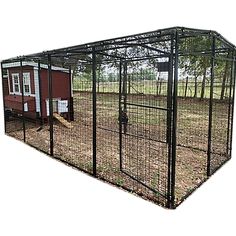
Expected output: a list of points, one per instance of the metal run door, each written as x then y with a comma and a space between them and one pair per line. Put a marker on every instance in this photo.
144, 124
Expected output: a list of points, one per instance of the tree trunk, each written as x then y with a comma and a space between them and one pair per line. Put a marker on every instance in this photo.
186, 87
203, 84
224, 81
157, 85
195, 87
98, 79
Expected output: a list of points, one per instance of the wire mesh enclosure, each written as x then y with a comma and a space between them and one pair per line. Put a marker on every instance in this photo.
151, 113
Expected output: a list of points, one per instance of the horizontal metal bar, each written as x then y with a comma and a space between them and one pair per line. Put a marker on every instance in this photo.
224, 58
146, 106
109, 130
198, 185
145, 46
145, 185
219, 50
146, 58
144, 137
201, 150
183, 29
223, 39
155, 49
109, 55
190, 192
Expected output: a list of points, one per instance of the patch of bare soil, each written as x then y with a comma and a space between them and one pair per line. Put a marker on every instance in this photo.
142, 167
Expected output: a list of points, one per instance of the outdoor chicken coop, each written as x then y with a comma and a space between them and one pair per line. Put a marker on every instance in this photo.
151, 113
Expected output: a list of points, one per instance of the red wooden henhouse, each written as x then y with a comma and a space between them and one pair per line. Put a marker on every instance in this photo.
35, 90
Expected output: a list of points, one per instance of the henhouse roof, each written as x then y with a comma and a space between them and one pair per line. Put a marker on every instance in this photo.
33, 64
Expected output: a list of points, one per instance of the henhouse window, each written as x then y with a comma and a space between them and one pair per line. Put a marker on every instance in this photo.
16, 83
26, 80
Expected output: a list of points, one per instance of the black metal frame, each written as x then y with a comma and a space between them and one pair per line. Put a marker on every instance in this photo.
4, 106
22, 98
40, 93
50, 97
210, 108
147, 41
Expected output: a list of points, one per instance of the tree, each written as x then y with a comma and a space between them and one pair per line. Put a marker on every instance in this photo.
195, 65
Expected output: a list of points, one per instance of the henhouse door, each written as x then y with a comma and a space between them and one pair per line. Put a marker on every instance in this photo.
144, 131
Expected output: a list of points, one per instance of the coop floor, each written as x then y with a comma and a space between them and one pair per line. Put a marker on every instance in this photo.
145, 162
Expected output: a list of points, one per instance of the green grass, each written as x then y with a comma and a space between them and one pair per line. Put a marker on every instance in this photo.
152, 87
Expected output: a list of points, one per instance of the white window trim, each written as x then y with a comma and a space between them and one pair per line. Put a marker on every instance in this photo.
13, 88
28, 74
13, 83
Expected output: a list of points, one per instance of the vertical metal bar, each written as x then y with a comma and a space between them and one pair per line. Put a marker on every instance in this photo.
40, 94
233, 101
94, 112
229, 107
174, 127
169, 114
4, 104
50, 96
129, 83
211, 106
22, 98
125, 94
120, 113
71, 107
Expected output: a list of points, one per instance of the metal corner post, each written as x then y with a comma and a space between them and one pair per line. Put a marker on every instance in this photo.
50, 96
71, 108
22, 98
211, 105
174, 124
229, 107
233, 101
94, 111
169, 119
120, 113
124, 92
4, 117
40, 93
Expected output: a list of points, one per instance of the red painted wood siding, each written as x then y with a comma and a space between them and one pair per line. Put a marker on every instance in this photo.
5, 86
15, 103
60, 87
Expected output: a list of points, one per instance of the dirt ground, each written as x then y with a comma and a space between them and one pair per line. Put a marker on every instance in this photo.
143, 166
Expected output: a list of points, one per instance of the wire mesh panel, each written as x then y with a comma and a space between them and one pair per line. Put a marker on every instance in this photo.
12, 97
192, 125
107, 123
221, 113
36, 119
144, 148
72, 112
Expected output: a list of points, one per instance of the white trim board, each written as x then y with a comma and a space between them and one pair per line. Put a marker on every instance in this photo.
8, 80
25, 95
33, 64
36, 90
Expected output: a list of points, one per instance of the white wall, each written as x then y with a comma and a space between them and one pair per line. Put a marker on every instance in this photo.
39, 196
